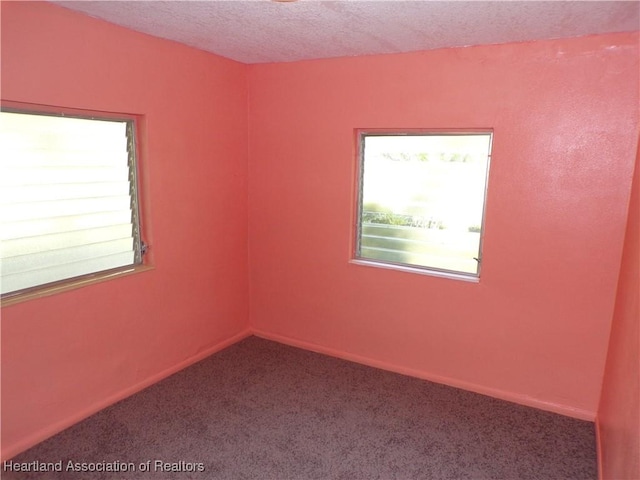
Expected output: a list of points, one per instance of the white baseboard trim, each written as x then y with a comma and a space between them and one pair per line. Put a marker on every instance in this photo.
452, 382
41, 435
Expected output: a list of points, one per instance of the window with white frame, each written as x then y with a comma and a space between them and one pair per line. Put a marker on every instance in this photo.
421, 201
68, 199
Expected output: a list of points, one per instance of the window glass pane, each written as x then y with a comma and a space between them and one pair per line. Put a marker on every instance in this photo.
422, 200
66, 206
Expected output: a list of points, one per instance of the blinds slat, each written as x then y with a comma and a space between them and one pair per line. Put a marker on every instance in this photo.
63, 224
443, 262
40, 157
29, 279
52, 258
43, 243
18, 176
42, 131
44, 193
59, 208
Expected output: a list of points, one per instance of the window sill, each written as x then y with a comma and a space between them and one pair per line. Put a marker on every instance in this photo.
419, 271
72, 284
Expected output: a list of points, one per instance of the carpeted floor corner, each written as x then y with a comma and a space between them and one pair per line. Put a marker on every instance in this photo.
262, 410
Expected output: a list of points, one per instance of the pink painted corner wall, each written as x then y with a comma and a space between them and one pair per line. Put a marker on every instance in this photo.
66, 355
619, 413
535, 329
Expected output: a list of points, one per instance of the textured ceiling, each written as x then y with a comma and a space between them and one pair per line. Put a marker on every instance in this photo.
259, 31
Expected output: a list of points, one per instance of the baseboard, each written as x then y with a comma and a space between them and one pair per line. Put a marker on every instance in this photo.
491, 392
57, 427
599, 448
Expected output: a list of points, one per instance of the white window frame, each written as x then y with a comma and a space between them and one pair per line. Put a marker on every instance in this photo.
359, 259
131, 123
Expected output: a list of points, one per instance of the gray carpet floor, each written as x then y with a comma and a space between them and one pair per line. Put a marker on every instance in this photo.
262, 410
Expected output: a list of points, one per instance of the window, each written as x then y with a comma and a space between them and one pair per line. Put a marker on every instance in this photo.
68, 201
421, 201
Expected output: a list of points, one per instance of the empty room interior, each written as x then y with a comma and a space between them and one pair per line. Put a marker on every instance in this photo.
260, 331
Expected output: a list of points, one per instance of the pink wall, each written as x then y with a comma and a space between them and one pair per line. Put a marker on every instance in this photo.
619, 413
67, 355
535, 329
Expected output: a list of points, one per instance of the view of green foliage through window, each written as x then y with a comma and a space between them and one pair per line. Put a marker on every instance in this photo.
422, 199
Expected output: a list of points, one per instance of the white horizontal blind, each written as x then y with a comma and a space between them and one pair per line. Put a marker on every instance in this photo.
65, 199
